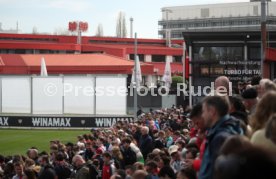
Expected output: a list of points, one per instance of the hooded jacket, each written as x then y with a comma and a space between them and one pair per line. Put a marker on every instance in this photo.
224, 128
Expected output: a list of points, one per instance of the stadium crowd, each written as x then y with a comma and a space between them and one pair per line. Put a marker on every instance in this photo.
222, 137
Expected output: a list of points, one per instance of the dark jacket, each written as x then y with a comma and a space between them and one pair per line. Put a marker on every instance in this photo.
146, 145
88, 154
83, 173
216, 136
129, 156
159, 143
63, 170
137, 136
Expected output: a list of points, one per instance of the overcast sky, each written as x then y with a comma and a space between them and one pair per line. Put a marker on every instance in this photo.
50, 15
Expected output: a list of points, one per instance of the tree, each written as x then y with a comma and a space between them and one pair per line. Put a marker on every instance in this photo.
121, 30
99, 30
61, 31
35, 31
175, 80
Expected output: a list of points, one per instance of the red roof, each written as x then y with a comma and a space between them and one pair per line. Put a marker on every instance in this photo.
120, 47
68, 64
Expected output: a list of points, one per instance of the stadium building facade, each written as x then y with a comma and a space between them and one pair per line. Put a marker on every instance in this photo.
242, 16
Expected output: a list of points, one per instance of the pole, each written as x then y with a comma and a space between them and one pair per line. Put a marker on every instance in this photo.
167, 29
135, 77
263, 35
184, 65
190, 77
131, 27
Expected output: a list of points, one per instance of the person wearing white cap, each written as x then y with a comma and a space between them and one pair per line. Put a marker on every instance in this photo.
175, 163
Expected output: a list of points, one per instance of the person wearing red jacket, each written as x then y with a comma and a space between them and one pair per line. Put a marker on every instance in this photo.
198, 122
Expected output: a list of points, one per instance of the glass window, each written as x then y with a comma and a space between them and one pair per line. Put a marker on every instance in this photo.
218, 53
254, 53
177, 59
158, 58
141, 57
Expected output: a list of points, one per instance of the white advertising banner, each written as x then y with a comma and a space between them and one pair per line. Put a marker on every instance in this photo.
79, 95
47, 95
16, 94
111, 95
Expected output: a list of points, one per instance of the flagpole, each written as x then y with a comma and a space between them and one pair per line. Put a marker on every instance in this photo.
135, 78
184, 66
190, 77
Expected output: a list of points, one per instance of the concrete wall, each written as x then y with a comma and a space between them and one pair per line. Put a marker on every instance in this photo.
168, 101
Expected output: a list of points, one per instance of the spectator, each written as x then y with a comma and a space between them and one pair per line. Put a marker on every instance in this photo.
82, 171
270, 130
238, 110
250, 100
241, 86
160, 142
145, 143
9, 170
33, 154
61, 167
98, 156
169, 138
175, 163
136, 133
221, 126
191, 153
265, 108
177, 137
19, 172
255, 81
88, 153
152, 170
196, 117
118, 158
29, 163
140, 111
240, 159
130, 169
166, 173
140, 174
139, 166
265, 86
164, 161
100, 143
119, 173
222, 86
135, 148
2, 163
70, 151
186, 173
29, 174
129, 156
108, 167
43, 162
48, 173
